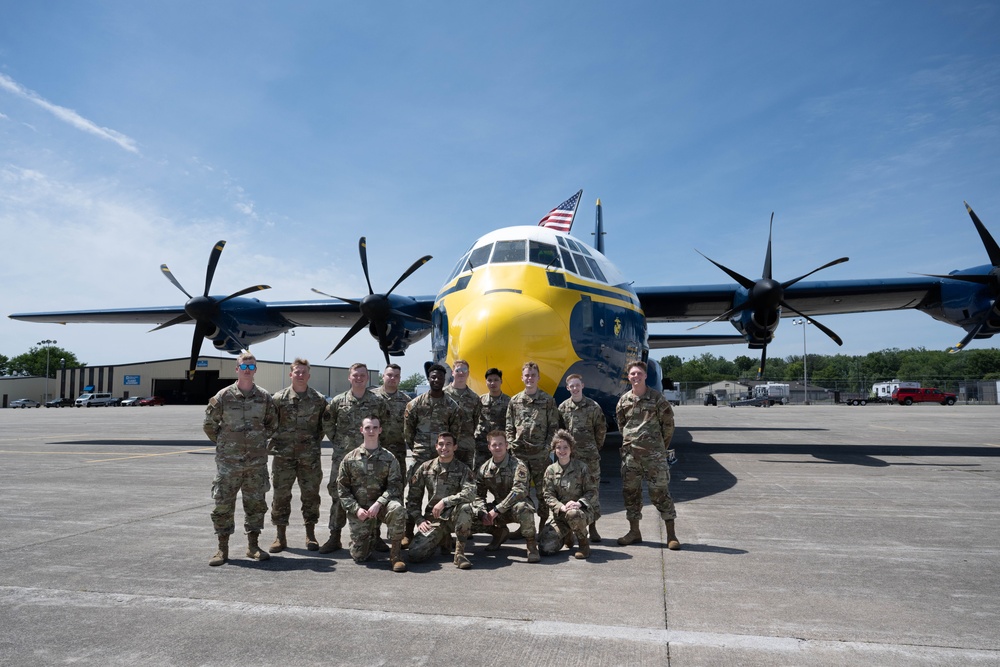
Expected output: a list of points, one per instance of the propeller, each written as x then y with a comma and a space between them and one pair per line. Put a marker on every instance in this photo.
204, 309
767, 297
375, 309
991, 279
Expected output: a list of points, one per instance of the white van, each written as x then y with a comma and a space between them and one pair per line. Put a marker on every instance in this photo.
96, 399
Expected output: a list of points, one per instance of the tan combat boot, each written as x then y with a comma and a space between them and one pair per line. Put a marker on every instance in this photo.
280, 543
311, 543
533, 556
408, 535
672, 542
633, 536
396, 555
222, 555
461, 560
594, 535
253, 548
332, 544
500, 533
584, 551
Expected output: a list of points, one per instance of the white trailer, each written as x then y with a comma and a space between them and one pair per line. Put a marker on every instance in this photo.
774, 392
882, 391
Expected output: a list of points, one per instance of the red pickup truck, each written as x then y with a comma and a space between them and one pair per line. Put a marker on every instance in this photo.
911, 395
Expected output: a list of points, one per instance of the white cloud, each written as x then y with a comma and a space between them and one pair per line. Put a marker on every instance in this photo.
68, 115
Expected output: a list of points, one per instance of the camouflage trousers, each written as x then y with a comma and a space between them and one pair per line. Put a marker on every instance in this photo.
398, 449
338, 517
482, 455
592, 458
523, 514
307, 469
364, 533
560, 525
459, 521
537, 464
653, 469
229, 481
466, 452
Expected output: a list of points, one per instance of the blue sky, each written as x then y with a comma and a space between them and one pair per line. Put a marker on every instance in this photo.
135, 134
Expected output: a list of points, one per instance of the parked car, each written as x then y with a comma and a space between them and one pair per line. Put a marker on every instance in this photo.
95, 399
911, 395
710, 399
133, 400
59, 403
152, 400
25, 403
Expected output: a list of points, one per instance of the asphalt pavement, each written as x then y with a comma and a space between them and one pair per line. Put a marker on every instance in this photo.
811, 535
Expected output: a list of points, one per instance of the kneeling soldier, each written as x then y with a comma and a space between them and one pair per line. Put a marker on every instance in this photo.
506, 479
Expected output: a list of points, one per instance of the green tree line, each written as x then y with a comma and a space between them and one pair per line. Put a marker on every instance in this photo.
931, 368
35, 360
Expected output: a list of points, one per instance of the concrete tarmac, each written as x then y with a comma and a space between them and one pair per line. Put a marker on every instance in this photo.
812, 535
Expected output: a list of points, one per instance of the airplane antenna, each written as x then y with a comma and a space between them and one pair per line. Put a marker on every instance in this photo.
598, 232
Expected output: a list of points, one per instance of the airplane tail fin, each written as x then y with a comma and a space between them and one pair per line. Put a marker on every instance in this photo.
599, 229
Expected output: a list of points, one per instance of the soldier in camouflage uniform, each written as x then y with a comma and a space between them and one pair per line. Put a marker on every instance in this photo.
646, 421
468, 400
450, 488
585, 421
570, 491
395, 403
506, 479
239, 420
342, 425
532, 419
295, 448
371, 491
492, 415
426, 416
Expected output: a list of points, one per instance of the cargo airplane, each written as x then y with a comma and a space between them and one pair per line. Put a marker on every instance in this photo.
535, 293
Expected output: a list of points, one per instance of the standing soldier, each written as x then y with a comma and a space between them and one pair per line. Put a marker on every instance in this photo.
342, 424
585, 421
395, 402
239, 420
371, 491
493, 414
296, 451
450, 491
532, 419
646, 421
426, 416
506, 479
468, 400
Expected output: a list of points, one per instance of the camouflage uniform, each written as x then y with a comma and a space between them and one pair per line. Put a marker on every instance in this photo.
507, 481
342, 424
363, 479
531, 423
424, 418
647, 425
585, 421
468, 401
492, 417
452, 482
562, 484
295, 447
392, 430
240, 426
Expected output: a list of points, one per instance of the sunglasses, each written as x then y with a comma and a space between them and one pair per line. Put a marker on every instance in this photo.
248, 367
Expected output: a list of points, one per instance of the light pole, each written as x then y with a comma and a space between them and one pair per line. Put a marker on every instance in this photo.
48, 347
284, 341
800, 321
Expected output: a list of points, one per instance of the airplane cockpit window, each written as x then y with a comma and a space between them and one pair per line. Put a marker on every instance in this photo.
567, 259
458, 267
509, 251
562, 241
596, 269
479, 256
583, 267
543, 253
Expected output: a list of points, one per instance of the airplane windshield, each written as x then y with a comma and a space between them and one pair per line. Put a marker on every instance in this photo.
479, 257
543, 253
509, 251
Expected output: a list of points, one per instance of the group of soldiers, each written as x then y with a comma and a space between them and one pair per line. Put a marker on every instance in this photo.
474, 461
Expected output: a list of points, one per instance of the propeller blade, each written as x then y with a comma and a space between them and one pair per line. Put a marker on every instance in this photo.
767, 258
763, 362
829, 332
246, 290
177, 320
968, 338
724, 316
743, 281
358, 326
170, 277
199, 336
992, 249
363, 251
406, 274
213, 262
340, 298
806, 275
